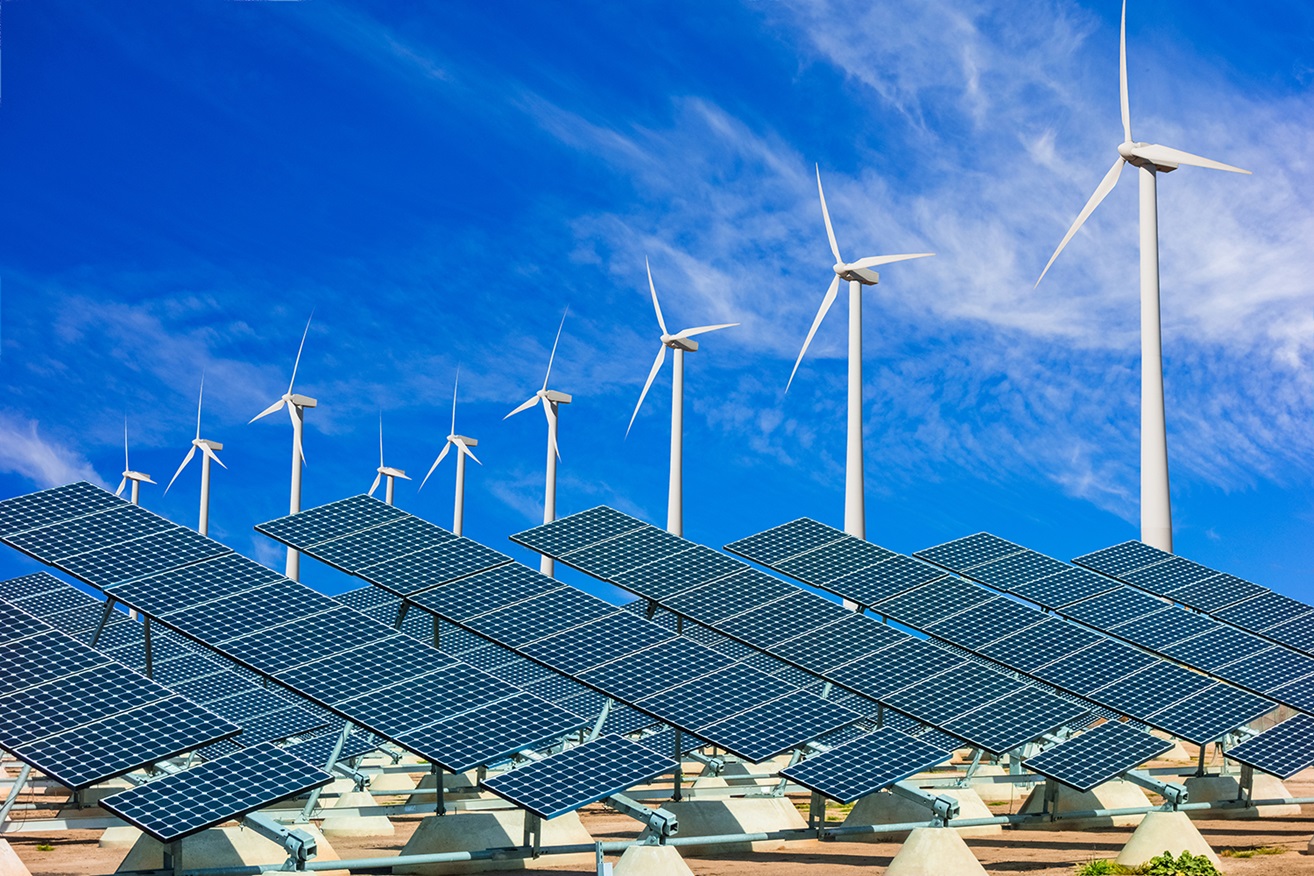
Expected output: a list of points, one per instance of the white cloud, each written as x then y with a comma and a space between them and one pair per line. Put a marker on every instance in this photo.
46, 463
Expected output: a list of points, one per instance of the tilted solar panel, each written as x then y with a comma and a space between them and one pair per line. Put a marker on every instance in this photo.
1098, 755
866, 765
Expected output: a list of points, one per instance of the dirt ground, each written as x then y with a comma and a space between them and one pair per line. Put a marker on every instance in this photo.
75, 853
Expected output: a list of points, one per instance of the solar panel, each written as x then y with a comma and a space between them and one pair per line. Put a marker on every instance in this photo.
985, 622
485, 591
1115, 607
43, 508
1298, 694
175, 590
830, 562
276, 603
624, 720
1151, 689
1070, 585
662, 740
771, 728
17, 624
276, 649
427, 699
66, 702
577, 531
1122, 558
1014, 720
317, 750
590, 644
962, 554
866, 765
952, 693
334, 520
157, 552
1297, 632
1168, 575
883, 580
1098, 755
847, 638
490, 733
181, 804
880, 674
715, 696
1161, 628
539, 617
583, 775
1017, 569
691, 567
114, 525
379, 544
785, 541
53, 601
654, 669
29, 585
1266, 670
1264, 610
932, 602
1282, 750
42, 658
374, 665
432, 567
782, 619
725, 597
1217, 647
1205, 716
1216, 592
625, 552
189, 666
363, 598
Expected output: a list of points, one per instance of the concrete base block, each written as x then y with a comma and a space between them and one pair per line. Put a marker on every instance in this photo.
1117, 794
355, 825
1213, 789
1177, 754
124, 836
456, 786
886, 808
386, 782
934, 851
93, 795
647, 860
221, 847
10, 865
735, 815
501, 829
995, 792
1161, 832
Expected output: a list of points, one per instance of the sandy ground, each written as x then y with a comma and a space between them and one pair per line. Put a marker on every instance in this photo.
75, 853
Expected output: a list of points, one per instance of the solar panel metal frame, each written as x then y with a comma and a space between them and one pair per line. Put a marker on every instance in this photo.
865, 765
1282, 750
1098, 755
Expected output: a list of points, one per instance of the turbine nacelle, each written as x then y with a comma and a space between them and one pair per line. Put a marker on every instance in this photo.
1132, 153
676, 342
390, 472
557, 398
140, 477
857, 275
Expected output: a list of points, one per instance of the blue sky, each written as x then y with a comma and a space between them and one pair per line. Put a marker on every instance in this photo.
183, 183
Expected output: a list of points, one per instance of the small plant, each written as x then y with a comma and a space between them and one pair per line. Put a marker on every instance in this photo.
1101, 867
1185, 864
45, 847
1251, 852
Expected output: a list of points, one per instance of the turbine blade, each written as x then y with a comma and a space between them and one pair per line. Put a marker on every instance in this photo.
433, 467
830, 232
467, 451
550, 412
874, 261
404, 477
456, 384
126, 466
655, 306
199, 397
380, 439
553, 356
656, 366
267, 411
147, 479
374, 486
296, 433
186, 459
826, 302
1122, 76
526, 405
704, 329
297, 362
1168, 155
205, 449
123, 483
1101, 191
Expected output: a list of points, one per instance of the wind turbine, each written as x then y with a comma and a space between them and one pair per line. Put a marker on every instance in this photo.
207, 448
385, 471
463, 444
550, 399
1151, 159
858, 274
679, 342
296, 406
137, 478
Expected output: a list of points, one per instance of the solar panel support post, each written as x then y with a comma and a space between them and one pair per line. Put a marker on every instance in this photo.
440, 805
661, 824
533, 833
313, 799
971, 769
146, 647
1200, 764
12, 797
943, 807
677, 790
817, 813
1173, 794
602, 719
779, 789
437, 632
173, 857
104, 619
401, 613
1245, 792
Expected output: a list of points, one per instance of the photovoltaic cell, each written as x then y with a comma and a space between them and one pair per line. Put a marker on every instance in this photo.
1218, 647
382, 663
962, 554
1264, 610
785, 541
880, 674
364, 598
1216, 592
985, 622
1161, 628
932, 602
279, 648
782, 619
181, 804
577, 531
954, 692
539, 617
171, 591
1017, 569
625, 552
491, 732
866, 765
716, 696
42, 658
1005, 724
1168, 575
1298, 694
1098, 755
1282, 750
53, 601
29, 585
1205, 716
1151, 689
847, 638
408, 575
381, 543
486, 591
159, 552
655, 669
1069, 586
334, 520
23, 513
580, 776
419, 702
774, 727
64, 703
574, 650
726, 597
317, 750
830, 562
1122, 558
1266, 670
690, 568
111, 526
1297, 632
1115, 607
273, 604
894, 576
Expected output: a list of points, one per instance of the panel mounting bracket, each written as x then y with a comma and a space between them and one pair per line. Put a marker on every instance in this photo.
659, 824
943, 807
1173, 794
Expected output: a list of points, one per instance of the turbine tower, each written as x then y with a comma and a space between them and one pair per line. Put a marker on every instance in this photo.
858, 274
385, 471
550, 399
207, 448
137, 478
1150, 159
679, 342
296, 408
463, 443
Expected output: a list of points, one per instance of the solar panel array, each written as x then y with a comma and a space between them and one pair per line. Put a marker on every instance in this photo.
807, 631
598, 650
1268, 674
329, 653
79, 717
1098, 755
1238, 602
866, 765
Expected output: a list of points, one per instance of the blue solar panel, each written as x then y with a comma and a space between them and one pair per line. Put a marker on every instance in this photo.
1122, 558
66, 702
1298, 694
932, 602
537, 618
364, 598
830, 562
847, 638
1264, 610
485, 591
1166, 576
954, 692
54, 601
273, 604
1206, 716
1152, 689
785, 618
691, 567
424, 700
148, 555
280, 648
1115, 607
625, 552
29, 585
1069, 586
379, 544
42, 658
714, 697
655, 669
111, 526
1097, 756
785, 541
901, 664
371, 666
1161, 628
591, 644
334, 520
23, 513
577, 531
1282, 750
866, 765
490, 733
725, 597
318, 749
968, 553
985, 622
1019, 718
1216, 592
1017, 569
432, 567
896, 575
1218, 647
777, 726
1266, 670
1297, 632
224, 576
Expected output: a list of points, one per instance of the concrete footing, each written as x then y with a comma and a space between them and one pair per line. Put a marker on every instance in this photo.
1214, 789
221, 847
355, 825
995, 792
935, 851
1117, 794
734, 815
456, 786
124, 836
500, 829
884, 807
646, 860
10, 865
1161, 832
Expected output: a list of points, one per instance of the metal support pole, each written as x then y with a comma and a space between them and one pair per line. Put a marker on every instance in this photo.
437, 632
602, 719
817, 812
1200, 765
146, 626
328, 767
23, 772
401, 614
679, 625
104, 619
440, 807
677, 792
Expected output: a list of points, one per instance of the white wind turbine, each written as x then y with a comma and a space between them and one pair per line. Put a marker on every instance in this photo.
462, 443
859, 274
1151, 159
679, 342
550, 399
207, 448
296, 405
137, 478
385, 471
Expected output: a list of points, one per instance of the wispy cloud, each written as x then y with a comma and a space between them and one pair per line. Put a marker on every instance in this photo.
43, 462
